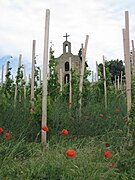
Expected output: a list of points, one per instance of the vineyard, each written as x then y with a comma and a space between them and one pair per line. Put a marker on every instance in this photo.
87, 132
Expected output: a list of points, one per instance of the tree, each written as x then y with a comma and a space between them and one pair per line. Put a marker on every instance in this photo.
114, 67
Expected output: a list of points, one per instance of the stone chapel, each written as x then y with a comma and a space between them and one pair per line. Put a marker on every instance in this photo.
64, 64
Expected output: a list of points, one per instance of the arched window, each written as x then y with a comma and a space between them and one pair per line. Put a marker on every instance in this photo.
66, 66
66, 78
66, 48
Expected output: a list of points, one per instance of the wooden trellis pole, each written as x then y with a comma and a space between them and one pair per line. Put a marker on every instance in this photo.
92, 77
60, 80
2, 75
133, 56
118, 83
16, 86
29, 79
127, 60
105, 91
82, 69
121, 83
39, 77
33, 70
44, 90
115, 84
7, 66
70, 82
96, 71
24, 81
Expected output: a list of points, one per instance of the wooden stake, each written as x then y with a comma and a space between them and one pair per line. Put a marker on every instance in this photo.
29, 79
96, 71
45, 64
61, 80
118, 83
16, 86
33, 70
92, 77
70, 83
133, 56
115, 84
121, 83
82, 69
7, 66
24, 81
40, 77
2, 75
105, 91
127, 60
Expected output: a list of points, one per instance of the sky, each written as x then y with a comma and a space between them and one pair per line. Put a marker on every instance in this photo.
23, 21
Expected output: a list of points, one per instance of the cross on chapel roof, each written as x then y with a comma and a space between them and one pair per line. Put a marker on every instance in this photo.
66, 36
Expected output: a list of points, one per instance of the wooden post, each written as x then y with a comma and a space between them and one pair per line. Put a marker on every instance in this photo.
70, 82
60, 80
33, 70
115, 84
7, 66
45, 64
121, 83
39, 77
96, 71
118, 83
16, 86
82, 69
127, 60
95, 76
24, 81
105, 91
133, 56
92, 77
2, 75
29, 79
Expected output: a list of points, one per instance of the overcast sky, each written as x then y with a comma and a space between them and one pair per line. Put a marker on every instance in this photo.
23, 20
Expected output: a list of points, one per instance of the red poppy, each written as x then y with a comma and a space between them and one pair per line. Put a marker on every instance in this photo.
64, 131
101, 115
110, 115
117, 110
44, 128
70, 153
86, 117
112, 164
32, 109
1, 130
70, 103
7, 135
108, 154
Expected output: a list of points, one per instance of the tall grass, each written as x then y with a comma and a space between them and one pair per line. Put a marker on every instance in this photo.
90, 135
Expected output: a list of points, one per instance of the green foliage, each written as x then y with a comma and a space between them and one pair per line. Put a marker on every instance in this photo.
113, 68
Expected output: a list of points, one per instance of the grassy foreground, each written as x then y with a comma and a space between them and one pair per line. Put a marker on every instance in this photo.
96, 132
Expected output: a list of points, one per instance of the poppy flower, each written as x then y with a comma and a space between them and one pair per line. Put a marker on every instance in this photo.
117, 110
32, 109
1, 130
101, 115
64, 131
112, 164
44, 128
110, 115
86, 117
70, 103
70, 153
108, 154
7, 135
